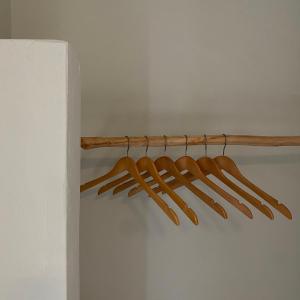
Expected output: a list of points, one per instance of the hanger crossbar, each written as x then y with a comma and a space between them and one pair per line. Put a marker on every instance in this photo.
159, 141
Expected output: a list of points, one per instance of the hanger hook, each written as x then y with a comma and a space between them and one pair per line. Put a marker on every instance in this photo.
166, 142
128, 144
225, 143
205, 143
147, 145
186, 143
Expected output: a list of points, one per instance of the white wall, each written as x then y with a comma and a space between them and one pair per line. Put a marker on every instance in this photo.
184, 67
39, 128
4, 19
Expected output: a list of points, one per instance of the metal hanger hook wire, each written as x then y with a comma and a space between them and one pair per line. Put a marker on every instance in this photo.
166, 142
205, 144
225, 143
128, 144
147, 144
186, 143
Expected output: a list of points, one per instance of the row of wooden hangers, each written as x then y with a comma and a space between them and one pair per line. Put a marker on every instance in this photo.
167, 175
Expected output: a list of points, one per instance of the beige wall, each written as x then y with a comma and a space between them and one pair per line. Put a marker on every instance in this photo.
40, 166
4, 19
184, 67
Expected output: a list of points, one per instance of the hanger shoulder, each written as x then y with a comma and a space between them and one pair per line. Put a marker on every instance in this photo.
114, 183
146, 164
165, 163
130, 183
125, 185
171, 168
214, 169
121, 184
119, 167
133, 170
229, 198
138, 189
230, 167
194, 169
128, 164
187, 163
235, 202
268, 198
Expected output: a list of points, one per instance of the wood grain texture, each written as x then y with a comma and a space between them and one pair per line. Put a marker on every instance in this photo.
159, 141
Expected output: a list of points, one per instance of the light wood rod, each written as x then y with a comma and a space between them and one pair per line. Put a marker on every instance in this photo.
159, 141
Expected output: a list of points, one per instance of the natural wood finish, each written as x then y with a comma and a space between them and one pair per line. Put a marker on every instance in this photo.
159, 141
189, 164
167, 164
146, 164
114, 183
228, 165
129, 165
209, 166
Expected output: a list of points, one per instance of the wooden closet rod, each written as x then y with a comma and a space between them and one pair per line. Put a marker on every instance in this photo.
159, 141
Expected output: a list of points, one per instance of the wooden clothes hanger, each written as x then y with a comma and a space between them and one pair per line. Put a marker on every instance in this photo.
127, 164
146, 164
227, 164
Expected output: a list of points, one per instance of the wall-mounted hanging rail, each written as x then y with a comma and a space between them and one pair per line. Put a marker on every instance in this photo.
145, 173
159, 141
